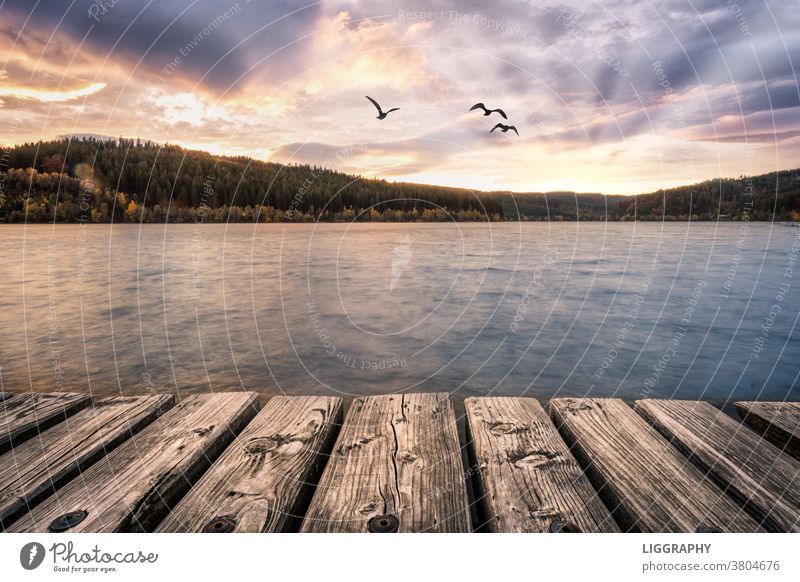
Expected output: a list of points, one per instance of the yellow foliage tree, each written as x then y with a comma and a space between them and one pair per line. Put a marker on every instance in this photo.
133, 211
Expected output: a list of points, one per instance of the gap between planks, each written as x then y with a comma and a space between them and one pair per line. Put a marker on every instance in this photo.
133, 487
528, 481
778, 422
264, 479
34, 469
25, 415
647, 483
751, 470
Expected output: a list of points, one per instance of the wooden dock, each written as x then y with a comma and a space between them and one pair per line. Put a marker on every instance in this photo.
396, 463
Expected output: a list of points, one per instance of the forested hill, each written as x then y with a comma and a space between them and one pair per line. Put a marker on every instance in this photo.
774, 196
129, 180
96, 180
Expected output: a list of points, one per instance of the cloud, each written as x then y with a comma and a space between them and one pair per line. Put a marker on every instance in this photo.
286, 81
49, 95
217, 42
377, 159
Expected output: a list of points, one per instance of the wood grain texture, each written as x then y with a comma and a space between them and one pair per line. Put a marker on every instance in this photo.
527, 478
132, 488
778, 422
33, 469
647, 484
754, 472
24, 415
264, 479
396, 455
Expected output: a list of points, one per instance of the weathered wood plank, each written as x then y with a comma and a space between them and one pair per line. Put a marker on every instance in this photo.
24, 415
264, 479
527, 478
395, 456
778, 422
754, 472
39, 465
646, 483
132, 488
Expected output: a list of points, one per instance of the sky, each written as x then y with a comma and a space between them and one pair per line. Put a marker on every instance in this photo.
612, 96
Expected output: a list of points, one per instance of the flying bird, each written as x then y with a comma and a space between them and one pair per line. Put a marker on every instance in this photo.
504, 128
487, 112
381, 113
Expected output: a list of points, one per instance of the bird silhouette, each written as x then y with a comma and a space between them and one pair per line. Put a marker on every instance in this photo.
381, 113
487, 112
504, 128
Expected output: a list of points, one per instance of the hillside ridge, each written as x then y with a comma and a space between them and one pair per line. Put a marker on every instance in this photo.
90, 179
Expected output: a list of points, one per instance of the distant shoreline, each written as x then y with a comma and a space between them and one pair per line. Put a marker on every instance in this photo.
781, 222
129, 181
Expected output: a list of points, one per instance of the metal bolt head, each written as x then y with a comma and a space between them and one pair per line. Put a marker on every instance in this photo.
219, 524
383, 524
68, 520
702, 528
563, 526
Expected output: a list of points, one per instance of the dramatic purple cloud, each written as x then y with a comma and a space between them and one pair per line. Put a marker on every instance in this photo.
607, 95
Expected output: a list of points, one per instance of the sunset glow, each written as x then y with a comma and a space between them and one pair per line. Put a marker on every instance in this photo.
609, 98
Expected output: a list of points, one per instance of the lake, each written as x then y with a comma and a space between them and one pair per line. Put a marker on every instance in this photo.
674, 310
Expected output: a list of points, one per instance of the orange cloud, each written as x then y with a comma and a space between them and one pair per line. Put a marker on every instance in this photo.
49, 95
368, 53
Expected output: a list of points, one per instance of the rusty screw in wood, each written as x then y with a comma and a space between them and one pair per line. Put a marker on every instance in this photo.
563, 526
68, 520
219, 524
702, 528
383, 524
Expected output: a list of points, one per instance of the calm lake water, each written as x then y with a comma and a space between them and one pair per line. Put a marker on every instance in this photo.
686, 310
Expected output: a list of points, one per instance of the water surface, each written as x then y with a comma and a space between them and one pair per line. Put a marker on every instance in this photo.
686, 310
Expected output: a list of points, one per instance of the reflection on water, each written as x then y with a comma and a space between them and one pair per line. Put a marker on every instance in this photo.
677, 310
